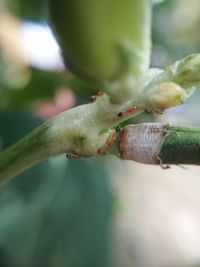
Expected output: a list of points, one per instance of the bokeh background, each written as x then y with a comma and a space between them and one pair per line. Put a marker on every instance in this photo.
91, 212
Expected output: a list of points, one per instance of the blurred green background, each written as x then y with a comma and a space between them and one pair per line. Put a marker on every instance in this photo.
91, 212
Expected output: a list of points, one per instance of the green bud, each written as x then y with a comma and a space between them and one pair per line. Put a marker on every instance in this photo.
186, 71
103, 40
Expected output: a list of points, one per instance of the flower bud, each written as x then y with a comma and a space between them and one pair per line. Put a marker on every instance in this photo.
103, 40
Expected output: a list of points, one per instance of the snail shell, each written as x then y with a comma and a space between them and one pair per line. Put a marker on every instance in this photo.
142, 142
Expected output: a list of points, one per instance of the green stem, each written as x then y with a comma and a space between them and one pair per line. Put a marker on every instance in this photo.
27, 152
182, 146
155, 143
84, 130
81, 131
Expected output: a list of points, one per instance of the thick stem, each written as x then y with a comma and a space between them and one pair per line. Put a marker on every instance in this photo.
156, 143
87, 130
181, 146
22, 155
81, 131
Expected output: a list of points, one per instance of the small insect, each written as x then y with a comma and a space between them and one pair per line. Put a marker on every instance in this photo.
130, 110
93, 98
120, 114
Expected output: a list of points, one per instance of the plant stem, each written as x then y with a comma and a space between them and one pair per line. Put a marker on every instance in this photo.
88, 129
81, 131
182, 146
155, 143
22, 155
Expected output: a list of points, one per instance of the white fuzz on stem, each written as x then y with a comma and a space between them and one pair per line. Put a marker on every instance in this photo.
142, 142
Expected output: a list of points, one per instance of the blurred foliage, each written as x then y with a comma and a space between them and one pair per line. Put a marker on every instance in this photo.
59, 213
35, 10
175, 31
42, 85
56, 214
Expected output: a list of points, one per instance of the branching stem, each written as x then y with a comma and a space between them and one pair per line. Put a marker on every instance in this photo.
88, 130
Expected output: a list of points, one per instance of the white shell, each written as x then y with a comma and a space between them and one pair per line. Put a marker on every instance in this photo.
142, 142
